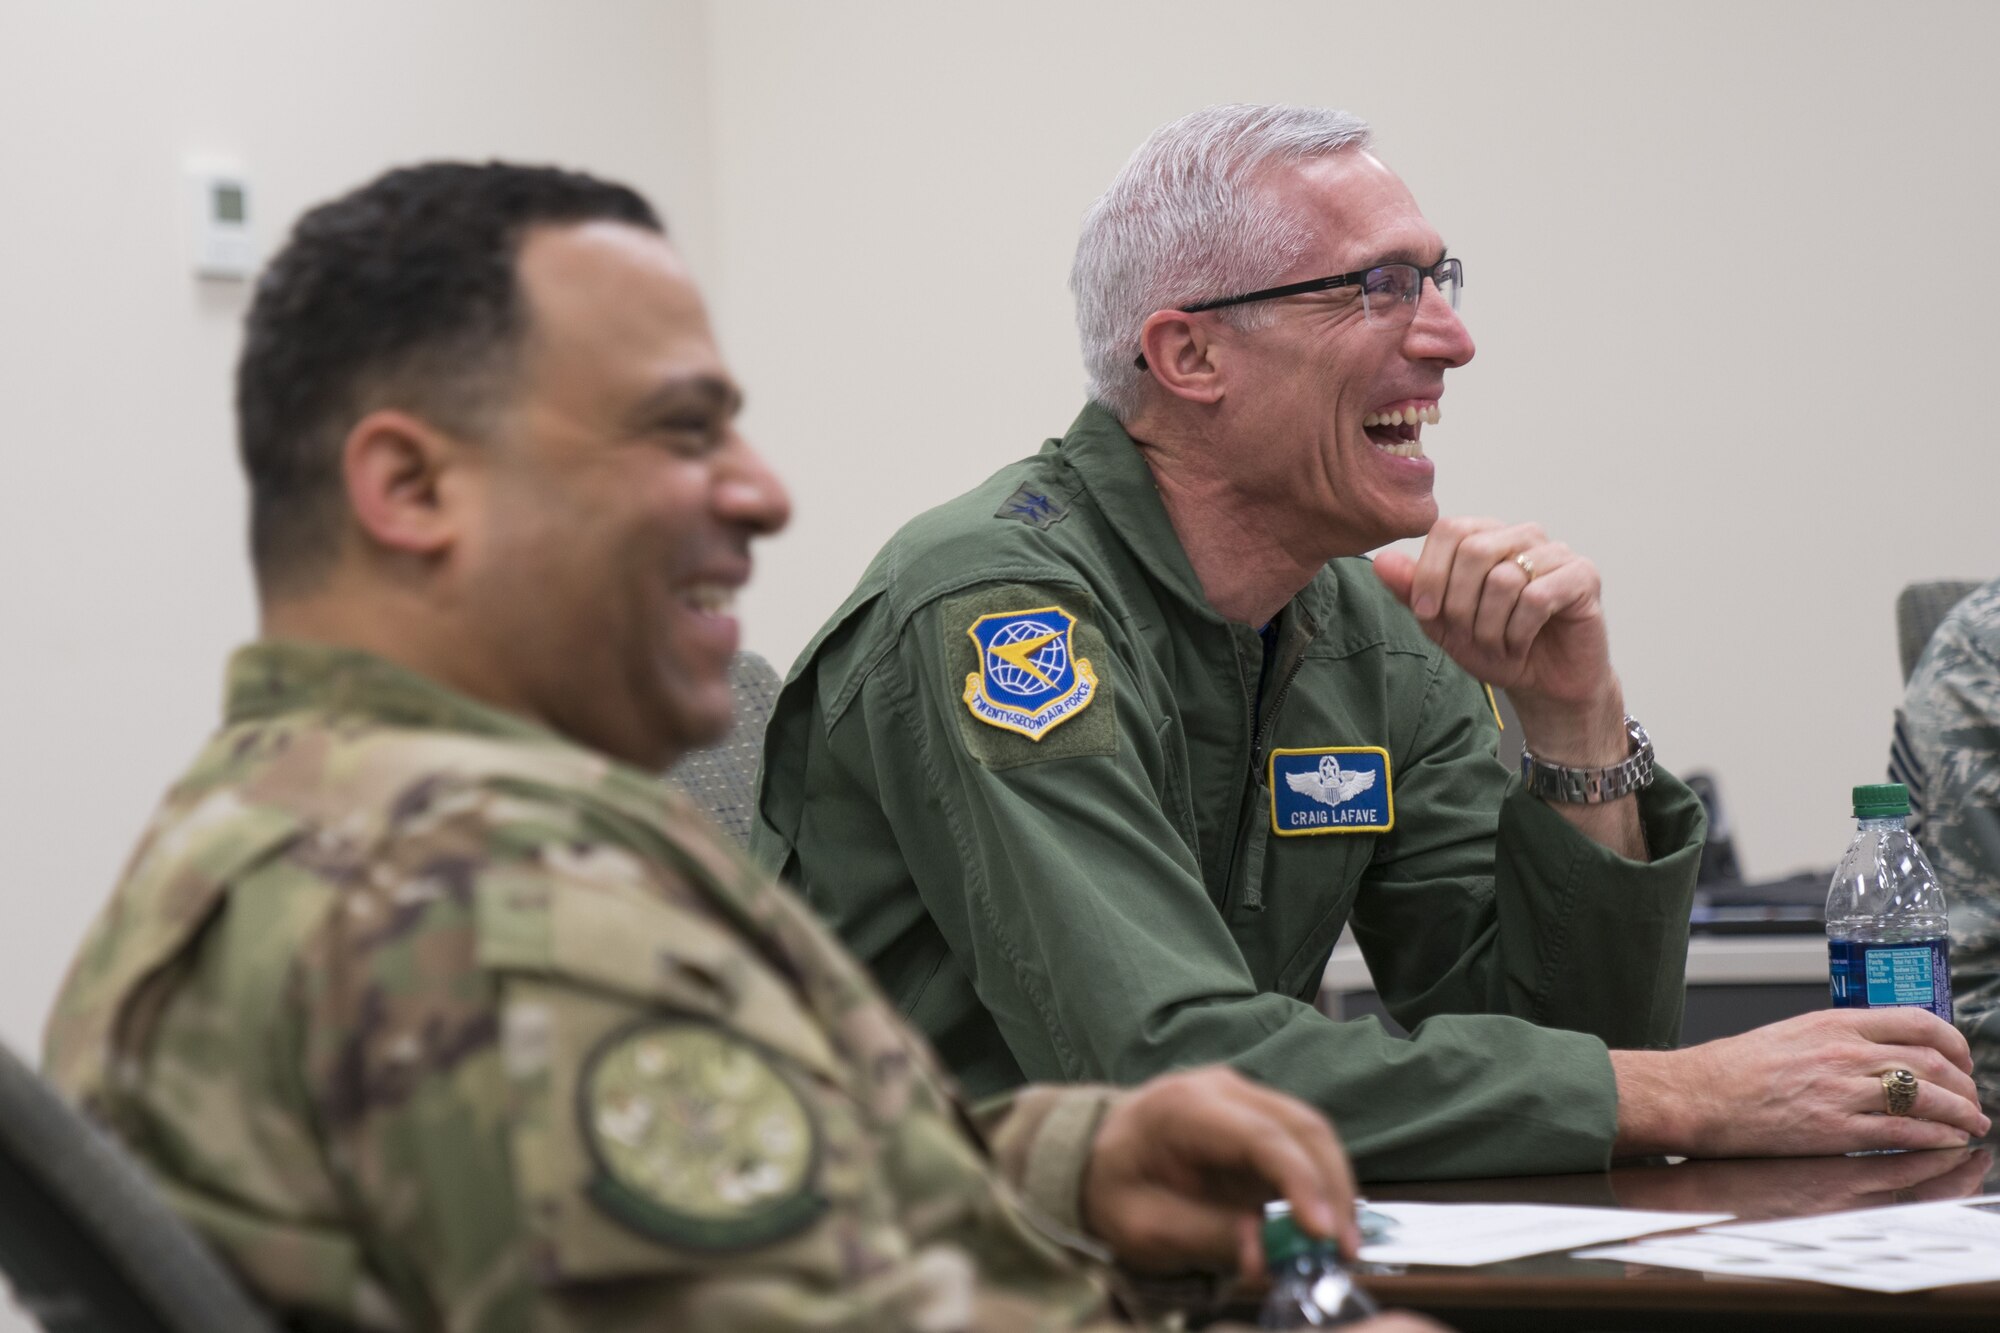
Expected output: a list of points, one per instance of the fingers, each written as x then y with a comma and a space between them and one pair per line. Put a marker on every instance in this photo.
1813, 1084
1249, 1248
1331, 1188
1910, 1026
1397, 572
1484, 590
1182, 1162
1458, 553
1561, 580
1905, 1132
1479, 559
1944, 1091
1289, 1146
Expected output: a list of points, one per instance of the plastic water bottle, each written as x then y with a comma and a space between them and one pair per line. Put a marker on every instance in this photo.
1887, 943
1309, 1287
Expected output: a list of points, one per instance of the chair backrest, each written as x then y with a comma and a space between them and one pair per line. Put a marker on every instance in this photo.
722, 779
1919, 609
85, 1241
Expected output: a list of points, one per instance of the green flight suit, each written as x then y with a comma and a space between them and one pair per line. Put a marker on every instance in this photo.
1110, 900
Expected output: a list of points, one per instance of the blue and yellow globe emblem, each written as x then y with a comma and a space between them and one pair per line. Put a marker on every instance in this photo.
1029, 680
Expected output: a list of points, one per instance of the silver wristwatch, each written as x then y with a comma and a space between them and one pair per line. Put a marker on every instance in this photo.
1592, 786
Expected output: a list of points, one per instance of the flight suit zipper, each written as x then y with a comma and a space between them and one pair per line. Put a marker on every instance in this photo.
1246, 858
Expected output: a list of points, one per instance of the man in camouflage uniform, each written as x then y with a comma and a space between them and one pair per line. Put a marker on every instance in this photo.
1947, 752
423, 1001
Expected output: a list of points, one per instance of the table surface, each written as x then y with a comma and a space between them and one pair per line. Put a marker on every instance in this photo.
1555, 1291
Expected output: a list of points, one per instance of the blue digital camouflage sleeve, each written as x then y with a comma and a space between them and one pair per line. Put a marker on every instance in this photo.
1947, 752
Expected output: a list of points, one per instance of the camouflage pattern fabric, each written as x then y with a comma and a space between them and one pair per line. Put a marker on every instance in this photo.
428, 1018
1947, 752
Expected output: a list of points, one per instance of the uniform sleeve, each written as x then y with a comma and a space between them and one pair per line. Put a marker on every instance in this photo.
1077, 910
559, 1098
1042, 1137
1492, 902
1953, 712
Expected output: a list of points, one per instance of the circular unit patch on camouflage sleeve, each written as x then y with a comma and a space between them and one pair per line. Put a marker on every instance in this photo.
698, 1138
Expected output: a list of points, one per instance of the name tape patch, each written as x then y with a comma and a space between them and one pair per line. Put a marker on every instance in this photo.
1331, 789
1029, 679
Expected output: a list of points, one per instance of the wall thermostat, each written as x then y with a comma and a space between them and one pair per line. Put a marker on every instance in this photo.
224, 245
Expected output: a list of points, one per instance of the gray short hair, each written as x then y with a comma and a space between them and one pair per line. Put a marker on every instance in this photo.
1186, 219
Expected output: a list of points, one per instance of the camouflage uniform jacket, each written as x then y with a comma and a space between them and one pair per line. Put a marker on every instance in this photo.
1947, 752
428, 1018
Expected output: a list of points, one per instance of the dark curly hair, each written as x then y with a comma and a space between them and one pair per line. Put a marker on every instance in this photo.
401, 293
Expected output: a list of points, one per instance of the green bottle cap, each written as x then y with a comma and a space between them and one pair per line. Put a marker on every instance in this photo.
1881, 800
1283, 1241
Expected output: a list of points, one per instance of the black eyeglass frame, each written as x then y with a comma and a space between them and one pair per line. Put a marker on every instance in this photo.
1455, 265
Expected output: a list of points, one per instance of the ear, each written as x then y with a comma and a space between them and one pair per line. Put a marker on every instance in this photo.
1180, 356
393, 465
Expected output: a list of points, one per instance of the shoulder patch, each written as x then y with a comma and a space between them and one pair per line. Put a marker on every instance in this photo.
1037, 506
1031, 670
1331, 789
1030, 679
697, 1138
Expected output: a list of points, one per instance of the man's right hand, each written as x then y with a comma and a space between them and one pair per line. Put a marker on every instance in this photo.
1809, 1086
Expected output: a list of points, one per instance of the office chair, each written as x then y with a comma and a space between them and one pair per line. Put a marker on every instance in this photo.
1920, 607
722, 780
87, 1244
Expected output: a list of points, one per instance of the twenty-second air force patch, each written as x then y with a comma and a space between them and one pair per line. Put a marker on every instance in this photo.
1029, 681
1331, 789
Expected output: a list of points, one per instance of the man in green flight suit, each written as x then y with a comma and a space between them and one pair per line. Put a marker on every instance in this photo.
1099, 758
423, 1000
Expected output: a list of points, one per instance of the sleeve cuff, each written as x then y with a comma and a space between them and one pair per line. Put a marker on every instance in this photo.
1670, 813
1042, 1145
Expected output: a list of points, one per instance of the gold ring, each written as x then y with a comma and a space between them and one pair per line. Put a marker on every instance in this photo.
1899, 1091
1527, 565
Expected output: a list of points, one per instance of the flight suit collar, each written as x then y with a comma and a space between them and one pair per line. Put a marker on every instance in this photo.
1111, 465
273, 677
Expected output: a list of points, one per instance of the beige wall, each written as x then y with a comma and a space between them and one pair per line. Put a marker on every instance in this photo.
1725, 268
120, 508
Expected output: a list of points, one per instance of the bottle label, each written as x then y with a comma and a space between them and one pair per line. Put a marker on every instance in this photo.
1914, 973
1839, 966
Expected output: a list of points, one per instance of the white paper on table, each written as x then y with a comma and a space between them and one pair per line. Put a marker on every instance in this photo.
1909, 1247
1463, 1234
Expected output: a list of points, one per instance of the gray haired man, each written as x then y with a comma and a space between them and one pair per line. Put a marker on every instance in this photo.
1100, 758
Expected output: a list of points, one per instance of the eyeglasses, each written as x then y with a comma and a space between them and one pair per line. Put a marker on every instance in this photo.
1389, 292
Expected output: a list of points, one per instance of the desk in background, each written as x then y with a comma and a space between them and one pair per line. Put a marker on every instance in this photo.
1735, 983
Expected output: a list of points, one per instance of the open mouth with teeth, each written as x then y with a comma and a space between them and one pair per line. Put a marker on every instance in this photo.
711, 599
1399, 430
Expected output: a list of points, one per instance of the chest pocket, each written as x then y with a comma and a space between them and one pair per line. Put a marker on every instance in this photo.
675, 1108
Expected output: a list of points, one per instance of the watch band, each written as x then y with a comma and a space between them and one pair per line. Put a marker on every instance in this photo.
1592, 786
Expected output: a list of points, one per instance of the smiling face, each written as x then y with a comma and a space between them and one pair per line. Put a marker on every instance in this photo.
1322, 413
615, 502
